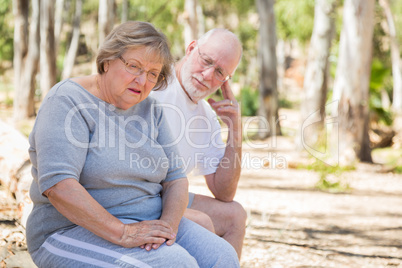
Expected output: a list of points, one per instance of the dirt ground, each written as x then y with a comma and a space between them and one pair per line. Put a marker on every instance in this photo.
290, 223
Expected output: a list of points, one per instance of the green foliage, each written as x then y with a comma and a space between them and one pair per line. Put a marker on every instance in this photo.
320, 166
165, 15
249, 101
379, 79
226, 7
294, 19
90, 8
331, 178
9, 101
334, 187
6, 32
380, 37
247, 33
243, 6
285, 103
398, 169
379, 72
389, 157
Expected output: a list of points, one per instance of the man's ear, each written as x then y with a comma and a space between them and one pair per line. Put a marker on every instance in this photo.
191, 47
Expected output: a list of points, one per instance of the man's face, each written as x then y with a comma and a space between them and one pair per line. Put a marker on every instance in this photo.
198, 81
193, 80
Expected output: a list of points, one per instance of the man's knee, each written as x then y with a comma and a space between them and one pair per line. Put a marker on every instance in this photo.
224, 215
200, 218
236, 213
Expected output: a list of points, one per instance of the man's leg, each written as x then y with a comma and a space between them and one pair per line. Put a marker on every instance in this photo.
200, 218
197, 216
229, 219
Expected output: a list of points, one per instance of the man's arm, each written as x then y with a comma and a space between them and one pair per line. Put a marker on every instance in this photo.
223, 183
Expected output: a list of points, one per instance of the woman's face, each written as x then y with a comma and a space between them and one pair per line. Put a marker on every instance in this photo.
124, 89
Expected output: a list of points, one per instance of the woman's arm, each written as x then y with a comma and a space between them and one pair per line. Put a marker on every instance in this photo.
174, 202
71, 199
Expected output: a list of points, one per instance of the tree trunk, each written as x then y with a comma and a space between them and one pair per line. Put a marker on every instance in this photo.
47, 47
28, 66
58, 23
352, 81
191, 26
106, 18
20, 12
200, 19
268, 111
317, 73
396, 66
72, 51
124, 11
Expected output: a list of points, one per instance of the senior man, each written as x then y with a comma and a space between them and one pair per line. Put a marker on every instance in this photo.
208, 65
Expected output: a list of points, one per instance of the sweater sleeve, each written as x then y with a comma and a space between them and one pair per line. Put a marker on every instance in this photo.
59, 141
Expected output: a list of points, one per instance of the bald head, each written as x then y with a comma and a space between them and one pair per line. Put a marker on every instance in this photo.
218, 48
223, 40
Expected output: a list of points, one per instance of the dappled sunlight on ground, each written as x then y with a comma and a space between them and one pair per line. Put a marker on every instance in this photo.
292, 224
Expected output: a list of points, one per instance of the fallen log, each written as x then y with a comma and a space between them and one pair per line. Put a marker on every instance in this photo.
15, 168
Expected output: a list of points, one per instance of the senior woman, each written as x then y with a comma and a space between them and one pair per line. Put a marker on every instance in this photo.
106, 190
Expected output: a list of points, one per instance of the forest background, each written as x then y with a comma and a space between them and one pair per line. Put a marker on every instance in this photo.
335, 65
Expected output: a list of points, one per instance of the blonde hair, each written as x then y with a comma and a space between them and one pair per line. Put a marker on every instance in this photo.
133, 35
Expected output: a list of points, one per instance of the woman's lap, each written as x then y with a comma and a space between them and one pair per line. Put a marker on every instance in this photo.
78, 247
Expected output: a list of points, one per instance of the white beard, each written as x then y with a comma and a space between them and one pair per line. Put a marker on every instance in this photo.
195, 94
